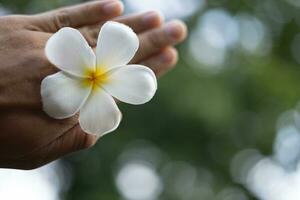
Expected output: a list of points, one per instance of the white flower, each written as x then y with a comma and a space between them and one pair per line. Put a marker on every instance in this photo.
88, 82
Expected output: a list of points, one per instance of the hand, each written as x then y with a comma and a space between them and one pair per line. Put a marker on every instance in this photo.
28, 137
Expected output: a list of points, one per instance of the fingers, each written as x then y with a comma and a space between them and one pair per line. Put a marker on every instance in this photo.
162, 62
79, 15
142, 21
138, 22
157, 39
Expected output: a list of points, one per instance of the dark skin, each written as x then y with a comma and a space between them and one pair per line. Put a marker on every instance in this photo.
28, 137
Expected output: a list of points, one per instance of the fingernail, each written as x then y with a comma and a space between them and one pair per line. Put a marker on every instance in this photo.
176, 30
113, 7
152, 18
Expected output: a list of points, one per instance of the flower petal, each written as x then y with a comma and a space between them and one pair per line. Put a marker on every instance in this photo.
63, 95
117, 45
133, 84
69, 51
100, 114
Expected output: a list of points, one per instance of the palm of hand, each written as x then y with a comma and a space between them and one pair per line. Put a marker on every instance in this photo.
28, 137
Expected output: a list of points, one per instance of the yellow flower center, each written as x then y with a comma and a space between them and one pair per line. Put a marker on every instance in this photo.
95, 78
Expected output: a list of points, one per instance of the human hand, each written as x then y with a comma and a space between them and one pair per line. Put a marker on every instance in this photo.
28, 137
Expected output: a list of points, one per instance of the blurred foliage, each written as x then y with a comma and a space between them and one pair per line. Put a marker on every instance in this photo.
196, 117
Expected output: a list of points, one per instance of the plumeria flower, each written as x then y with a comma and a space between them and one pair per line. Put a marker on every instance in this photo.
88, 82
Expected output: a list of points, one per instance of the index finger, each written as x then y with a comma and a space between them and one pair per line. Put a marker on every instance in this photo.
78, 15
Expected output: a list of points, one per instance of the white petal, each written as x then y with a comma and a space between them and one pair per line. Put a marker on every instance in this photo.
100, 114
117, 44
69, 51
133, 84
63, 95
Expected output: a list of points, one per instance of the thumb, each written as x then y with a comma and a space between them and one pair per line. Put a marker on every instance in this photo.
73, 140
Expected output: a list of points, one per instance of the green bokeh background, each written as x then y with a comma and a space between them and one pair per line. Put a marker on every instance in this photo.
196, 117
